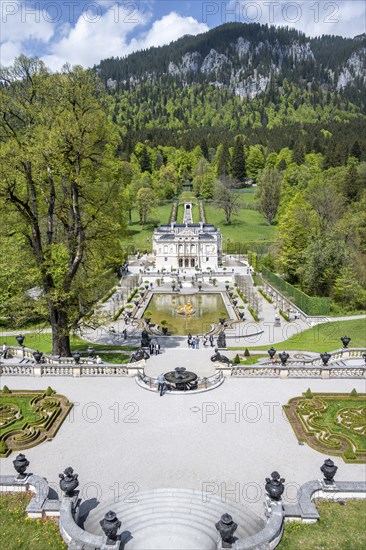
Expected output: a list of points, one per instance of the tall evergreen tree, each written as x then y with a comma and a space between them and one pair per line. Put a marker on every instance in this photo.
238, 168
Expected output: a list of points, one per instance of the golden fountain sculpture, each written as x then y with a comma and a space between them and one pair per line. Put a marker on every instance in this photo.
187, 309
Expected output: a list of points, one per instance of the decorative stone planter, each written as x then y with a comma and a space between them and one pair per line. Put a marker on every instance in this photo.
329, 470
20, 465
275, 486
68, 481
325, 357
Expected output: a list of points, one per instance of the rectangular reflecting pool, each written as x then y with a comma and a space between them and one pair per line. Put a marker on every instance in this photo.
202, 310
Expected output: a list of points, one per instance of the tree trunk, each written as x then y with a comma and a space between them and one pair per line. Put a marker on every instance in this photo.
60, 331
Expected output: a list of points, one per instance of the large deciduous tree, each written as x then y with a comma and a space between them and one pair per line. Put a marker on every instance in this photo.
269, 193
60, 184
227, 200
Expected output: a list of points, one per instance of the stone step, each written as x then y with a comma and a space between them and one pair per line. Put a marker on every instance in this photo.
167, 509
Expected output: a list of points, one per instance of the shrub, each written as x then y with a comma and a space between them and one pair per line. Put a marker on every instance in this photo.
6, 389
284, 315
246, 353
49, 391
354, 392
3, 447
308, 394
349, 454
236, 359
253, 314
268, 298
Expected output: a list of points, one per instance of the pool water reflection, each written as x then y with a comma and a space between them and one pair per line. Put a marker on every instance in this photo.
206, 307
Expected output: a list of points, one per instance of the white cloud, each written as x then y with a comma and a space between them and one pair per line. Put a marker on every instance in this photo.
341, 17
20, 22
87, 43
9, 50
167, 29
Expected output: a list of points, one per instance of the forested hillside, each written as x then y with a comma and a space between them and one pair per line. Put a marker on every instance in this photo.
275, 86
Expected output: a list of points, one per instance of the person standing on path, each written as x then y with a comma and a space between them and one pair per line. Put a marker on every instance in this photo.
5, 350
197, 340
161, 384
211, 340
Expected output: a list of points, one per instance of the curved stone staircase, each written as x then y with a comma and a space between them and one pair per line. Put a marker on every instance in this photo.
174, 519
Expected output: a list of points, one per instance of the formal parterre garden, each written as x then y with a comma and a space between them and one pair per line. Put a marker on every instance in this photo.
29, 417
331, 423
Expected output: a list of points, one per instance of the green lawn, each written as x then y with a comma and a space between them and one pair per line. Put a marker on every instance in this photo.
339, 528
43, 342
18, 532
140, 235
325, 337
246, 226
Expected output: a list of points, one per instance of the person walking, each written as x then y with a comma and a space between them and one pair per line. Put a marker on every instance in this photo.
5, 350
211, 340
197, 340
157, 348
161, 384
189, 340
205, 341
152, 348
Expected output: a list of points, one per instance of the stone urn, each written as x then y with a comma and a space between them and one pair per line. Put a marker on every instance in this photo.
90, 351
325, 358
275, 486
226, 527
69, 481
77, 357
231, 293
329, 470
20, 465
110, 525
20, 339
271, 352
284, 356
235, 302
345, 341
37, 356
241, 314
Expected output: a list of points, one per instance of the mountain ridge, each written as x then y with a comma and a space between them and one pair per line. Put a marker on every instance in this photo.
246, 58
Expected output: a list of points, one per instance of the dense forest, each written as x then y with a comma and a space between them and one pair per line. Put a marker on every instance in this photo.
275, 86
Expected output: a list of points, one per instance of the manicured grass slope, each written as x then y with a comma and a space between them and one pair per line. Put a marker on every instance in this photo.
326, 337
43, 342
246, 226
18, 532
339, 528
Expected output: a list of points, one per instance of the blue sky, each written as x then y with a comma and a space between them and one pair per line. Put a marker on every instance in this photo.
86, 31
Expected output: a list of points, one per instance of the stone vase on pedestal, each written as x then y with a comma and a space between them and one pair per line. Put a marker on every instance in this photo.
226, 527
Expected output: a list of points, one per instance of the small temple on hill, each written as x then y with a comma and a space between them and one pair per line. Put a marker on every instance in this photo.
188, 245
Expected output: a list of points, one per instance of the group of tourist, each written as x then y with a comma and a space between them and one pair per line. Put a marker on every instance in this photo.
154, 347
194, 342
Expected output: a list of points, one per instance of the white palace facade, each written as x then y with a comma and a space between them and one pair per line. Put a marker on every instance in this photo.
187, 245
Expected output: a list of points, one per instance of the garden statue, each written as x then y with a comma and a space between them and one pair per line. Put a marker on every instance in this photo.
221, 340
220, 358
145, 339
226, 527
139, 355
110, 525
